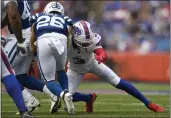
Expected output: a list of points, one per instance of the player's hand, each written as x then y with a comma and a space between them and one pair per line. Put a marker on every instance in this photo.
22, 49
99, 59
100, 55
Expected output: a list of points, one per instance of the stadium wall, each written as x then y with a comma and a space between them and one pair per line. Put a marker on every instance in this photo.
152, 67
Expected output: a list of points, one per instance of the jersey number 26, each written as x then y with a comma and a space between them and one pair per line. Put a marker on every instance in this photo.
50, 21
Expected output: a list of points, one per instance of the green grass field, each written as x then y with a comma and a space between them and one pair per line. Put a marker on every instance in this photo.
108, 104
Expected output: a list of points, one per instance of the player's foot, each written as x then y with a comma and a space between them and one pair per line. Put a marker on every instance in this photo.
32, 104
26, 115
67, 97
155, 107
89, 105
55, 104
65, 107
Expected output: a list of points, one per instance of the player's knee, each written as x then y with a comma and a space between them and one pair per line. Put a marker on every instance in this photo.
10, 82
113, 79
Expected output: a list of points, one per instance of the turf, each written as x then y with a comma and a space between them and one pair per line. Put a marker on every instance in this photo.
106, 105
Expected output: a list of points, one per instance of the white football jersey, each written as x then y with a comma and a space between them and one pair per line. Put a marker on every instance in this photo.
81, 59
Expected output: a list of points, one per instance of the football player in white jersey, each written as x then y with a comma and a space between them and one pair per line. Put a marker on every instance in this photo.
50, 29
21, 64
11, 15
86, 55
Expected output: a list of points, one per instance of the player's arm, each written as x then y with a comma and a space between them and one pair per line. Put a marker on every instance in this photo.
4, 22
33, 37
99, 52
69, 26
33, 40
14, 20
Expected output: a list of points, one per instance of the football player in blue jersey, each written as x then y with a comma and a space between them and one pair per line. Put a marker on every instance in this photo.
51, 30
21, 64
11, 15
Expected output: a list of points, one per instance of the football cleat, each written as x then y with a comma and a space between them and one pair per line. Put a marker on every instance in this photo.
26, 115
55, 104
89, 105
32, 104
67, 97
65, 107
155, 107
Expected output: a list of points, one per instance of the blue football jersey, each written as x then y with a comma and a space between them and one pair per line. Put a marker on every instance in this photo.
25, 12
47, 23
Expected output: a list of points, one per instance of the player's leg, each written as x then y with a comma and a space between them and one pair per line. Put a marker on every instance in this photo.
60, 66
74, 81
103, 71
31, 82
47, 67
60, 69
62, 78
12, 86
21, 64
40, 87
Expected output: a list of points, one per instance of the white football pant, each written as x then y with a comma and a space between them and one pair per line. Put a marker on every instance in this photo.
20, 64
51, 54
5, 67
74, 78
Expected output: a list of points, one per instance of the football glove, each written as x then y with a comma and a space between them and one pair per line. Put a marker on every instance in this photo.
100, 55
22, 49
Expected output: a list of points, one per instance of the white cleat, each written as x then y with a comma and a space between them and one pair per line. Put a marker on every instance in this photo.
32, 104
65, 107
69, 103
55, 104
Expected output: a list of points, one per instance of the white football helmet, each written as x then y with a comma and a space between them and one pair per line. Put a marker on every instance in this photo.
83, 34
54, 7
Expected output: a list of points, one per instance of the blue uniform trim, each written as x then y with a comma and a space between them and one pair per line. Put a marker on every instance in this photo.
15, 54
12, 50
39, 65
6, 62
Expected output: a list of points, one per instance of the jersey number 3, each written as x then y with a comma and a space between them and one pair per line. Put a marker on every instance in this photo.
50, 21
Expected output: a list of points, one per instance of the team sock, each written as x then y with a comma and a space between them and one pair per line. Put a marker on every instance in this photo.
54, 87
26, 95
81, 97
63, 79
130, 89
13, 88
30, 82
47, 91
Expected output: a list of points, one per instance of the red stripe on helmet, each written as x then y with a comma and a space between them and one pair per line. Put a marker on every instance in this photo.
87, 33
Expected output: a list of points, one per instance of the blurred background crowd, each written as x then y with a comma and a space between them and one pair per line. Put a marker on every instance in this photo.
125, 26
131, 31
